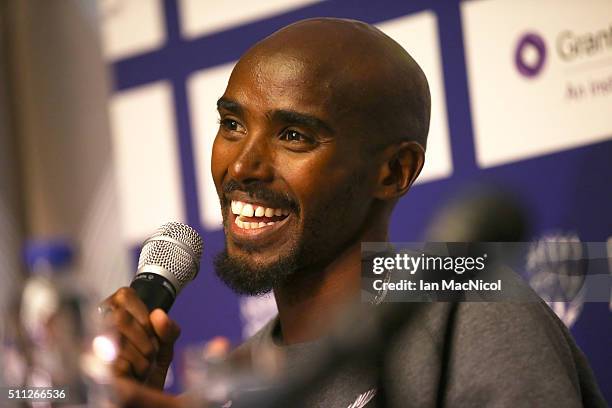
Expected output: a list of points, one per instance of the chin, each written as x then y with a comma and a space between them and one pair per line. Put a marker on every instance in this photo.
249, 274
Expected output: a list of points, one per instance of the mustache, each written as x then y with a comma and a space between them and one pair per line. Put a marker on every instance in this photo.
258, 190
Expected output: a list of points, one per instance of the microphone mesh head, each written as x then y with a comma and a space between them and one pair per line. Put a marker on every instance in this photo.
177, 248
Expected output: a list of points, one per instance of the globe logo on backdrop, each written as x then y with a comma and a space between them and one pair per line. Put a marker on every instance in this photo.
530, 55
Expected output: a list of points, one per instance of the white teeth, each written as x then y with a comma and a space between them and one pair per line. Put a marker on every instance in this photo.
251, 225
237, 207
247, 210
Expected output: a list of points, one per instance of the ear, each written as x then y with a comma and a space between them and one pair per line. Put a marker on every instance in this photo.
400, 165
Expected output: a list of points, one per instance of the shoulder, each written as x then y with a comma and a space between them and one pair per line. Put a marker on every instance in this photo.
492, 354
515, 352
510, 336
527, 323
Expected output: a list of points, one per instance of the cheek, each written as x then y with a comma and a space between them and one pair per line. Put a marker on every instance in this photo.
318, 180
219, 160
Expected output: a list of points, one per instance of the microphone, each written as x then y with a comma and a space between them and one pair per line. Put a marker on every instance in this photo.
169, 259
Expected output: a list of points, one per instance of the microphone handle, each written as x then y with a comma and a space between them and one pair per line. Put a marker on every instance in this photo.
154, 290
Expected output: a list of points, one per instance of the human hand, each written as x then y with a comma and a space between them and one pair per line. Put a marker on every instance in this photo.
146, 340
129, 394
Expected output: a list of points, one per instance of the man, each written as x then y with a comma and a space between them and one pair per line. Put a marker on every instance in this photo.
323, 127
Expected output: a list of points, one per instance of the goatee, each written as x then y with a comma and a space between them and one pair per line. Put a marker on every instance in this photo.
247, 278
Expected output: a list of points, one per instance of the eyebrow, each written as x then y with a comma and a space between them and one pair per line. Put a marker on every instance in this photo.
298, 118
228, 104
282, 115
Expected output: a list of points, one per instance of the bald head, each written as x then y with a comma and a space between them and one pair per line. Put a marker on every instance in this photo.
359, 73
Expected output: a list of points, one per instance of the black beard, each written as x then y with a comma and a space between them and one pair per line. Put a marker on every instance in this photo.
246, 278
314, 251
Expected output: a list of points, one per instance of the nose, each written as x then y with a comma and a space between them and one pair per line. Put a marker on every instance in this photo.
253, 161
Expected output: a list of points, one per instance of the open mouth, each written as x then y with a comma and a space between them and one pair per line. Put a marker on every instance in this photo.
249, 216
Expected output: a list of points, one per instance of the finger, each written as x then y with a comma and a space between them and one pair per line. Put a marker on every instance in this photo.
138, 366
165, 328
127, 299
167, 331
121, 367
133, 332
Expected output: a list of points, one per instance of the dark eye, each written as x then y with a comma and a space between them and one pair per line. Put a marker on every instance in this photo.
292, 136
229, 124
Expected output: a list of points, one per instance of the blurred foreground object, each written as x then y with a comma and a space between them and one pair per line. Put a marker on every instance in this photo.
52, 336
480, 213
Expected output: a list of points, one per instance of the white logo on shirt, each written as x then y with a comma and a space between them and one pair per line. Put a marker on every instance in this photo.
363, 399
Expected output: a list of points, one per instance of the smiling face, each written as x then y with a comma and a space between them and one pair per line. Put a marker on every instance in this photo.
287, 169
292, 161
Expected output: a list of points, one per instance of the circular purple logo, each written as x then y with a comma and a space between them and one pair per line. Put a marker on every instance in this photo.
530, 54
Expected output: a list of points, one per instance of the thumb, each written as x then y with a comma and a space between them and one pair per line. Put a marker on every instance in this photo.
167, 331
165, 328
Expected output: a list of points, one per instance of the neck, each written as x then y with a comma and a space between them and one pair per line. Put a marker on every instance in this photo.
310, 303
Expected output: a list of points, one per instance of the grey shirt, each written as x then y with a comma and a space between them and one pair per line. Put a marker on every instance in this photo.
459, 355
